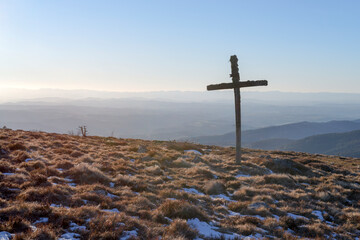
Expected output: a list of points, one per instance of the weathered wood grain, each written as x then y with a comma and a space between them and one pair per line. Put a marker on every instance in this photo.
237, 85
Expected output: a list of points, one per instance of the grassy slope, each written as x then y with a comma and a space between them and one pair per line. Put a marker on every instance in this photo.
344, 144
107, 188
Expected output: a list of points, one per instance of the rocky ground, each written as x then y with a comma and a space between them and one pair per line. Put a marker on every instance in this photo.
55, 186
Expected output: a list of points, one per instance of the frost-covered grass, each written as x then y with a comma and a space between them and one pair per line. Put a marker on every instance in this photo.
55, 186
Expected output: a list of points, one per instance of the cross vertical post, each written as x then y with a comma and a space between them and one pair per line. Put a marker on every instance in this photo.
236, 79
236, 85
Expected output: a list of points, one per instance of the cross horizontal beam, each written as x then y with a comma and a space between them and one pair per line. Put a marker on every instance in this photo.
237, 85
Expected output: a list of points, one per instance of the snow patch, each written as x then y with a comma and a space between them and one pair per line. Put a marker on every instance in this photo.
5, 235
193, 191
193, 151
114, 210
41, 220
58, 205
242, 175
222, 196
318, 214
112, 184
294, 216
128, 234
208, 231
69, 236
28, 159
8, 173
75, 227
112, 195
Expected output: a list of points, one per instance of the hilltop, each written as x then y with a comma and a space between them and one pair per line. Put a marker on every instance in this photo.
57, 186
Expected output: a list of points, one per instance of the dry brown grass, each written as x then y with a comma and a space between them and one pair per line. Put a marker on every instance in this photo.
181, 209
179, 229
113, 187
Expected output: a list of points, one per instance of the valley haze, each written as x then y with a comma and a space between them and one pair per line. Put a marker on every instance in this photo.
166, 115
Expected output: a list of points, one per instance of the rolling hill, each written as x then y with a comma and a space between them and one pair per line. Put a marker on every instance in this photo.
341, 144
291, 131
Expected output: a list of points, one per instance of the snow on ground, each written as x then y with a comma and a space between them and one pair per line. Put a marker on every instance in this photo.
41, 220
5, 235
208, 231
294, 216
112, 195
232, 213
318, 214
170, 198
242, 175
128, 234
8, 173
193, 191
28, 159
69, 236
74, 227
57, 205
114, 210
112, 184
222, 196
193, 151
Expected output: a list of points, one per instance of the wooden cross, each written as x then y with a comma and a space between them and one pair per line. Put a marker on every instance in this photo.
236, 85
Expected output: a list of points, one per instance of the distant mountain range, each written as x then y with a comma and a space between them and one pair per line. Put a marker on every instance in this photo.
334, 138
341, 144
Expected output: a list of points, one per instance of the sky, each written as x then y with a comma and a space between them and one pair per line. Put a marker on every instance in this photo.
298, 46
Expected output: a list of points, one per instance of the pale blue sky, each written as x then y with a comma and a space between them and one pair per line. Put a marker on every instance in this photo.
308, 46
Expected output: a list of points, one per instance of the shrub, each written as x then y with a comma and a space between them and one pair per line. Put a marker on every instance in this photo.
29, 211
16, 146
110, 226
124, 180
155, 170
182, 146
64, 164
214, 187
76, 154
87, 174
38, 180
238, 206
6, 167
54, 194
287, 166
16, 224
29, 166
203, 171
179, 228
43, 233
280, 179
20, 156
181, 209
180, 163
